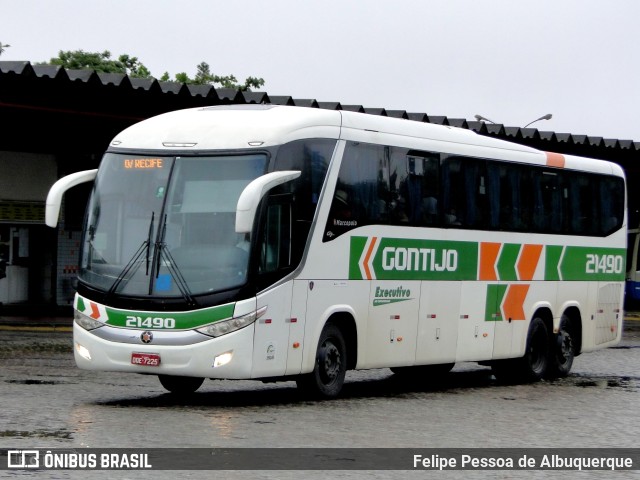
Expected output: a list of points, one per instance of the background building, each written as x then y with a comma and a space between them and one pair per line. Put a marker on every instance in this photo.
55, 121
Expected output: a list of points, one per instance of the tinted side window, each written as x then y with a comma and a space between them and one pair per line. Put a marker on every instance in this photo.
362, 195
396, 186
612, 204
311, 157
464, 190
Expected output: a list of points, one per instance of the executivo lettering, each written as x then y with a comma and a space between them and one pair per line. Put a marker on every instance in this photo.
385, 296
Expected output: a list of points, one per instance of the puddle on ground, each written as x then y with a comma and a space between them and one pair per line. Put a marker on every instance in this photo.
35, 382
62, 434
629, 384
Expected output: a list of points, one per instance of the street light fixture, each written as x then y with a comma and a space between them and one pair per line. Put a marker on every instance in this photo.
480, 118
544, 117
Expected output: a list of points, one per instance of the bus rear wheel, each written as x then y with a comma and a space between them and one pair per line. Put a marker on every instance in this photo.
180, 385
327, 378
562, 350
531, 367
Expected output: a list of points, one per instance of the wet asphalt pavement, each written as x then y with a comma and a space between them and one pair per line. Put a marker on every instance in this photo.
48, 403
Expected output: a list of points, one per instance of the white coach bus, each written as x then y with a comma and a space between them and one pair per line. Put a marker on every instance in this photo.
271, 242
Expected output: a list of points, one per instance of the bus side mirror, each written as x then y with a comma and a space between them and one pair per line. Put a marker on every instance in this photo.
253, 193
54, 198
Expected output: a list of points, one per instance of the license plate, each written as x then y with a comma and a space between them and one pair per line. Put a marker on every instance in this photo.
145, 359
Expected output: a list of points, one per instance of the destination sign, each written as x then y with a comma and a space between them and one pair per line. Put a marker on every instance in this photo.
143, 163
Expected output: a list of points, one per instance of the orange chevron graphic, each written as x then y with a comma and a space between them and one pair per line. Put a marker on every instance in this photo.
488, 256
513, 304
367, 258
528, 261
95, 313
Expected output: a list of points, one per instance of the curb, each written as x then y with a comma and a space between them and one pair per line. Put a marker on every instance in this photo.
33, 328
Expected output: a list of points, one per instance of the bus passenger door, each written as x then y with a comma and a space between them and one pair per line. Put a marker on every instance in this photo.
438, 325
273, 256
393, 323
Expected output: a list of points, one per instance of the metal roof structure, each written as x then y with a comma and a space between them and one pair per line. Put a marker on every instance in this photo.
78, 112
111, 94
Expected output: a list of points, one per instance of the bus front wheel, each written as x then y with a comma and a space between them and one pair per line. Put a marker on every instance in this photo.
327, 378
180, 385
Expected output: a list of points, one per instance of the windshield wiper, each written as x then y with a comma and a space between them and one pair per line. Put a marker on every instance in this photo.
149, 240
134, 263
162, 253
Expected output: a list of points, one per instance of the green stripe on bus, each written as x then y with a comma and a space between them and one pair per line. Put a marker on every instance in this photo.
80, 304
409, 259
357, 248
495, 295
183, 320
507, 261
589, 263
552, 255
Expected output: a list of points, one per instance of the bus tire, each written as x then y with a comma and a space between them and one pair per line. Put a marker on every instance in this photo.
562, 351
327, 378
531, 367
180, 385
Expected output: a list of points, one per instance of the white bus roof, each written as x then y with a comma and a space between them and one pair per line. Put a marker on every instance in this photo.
256, 126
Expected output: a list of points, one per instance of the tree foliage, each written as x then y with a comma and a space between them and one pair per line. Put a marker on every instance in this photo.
126, 64
3, 47
101, 62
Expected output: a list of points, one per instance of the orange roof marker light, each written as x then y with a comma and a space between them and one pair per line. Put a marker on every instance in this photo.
555, 159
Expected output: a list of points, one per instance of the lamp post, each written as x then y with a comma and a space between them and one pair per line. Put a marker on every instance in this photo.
544, 117
480, 118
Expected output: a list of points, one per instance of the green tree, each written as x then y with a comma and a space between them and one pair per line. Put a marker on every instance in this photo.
3, 47
204, 76
126, 64
101, 62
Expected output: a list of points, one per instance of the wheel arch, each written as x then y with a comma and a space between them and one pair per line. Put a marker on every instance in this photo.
347, 325
343, 317
545, 314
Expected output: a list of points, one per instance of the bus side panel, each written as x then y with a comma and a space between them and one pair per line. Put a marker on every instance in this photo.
393, 323
271, 340
297, 327
475, 332
602, 314
609, 314
438, 324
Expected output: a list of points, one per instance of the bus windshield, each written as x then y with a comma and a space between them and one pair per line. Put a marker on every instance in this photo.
165, 226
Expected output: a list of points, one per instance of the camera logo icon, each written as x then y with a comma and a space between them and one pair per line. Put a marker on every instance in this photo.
24, 459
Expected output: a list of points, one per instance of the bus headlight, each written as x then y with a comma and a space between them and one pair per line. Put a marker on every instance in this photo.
83, 351
222, 360
85, 322
227, 326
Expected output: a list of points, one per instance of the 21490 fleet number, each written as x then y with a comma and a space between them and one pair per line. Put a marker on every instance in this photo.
604, 263
150, 322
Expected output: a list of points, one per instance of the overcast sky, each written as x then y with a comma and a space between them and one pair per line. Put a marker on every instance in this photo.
509, 60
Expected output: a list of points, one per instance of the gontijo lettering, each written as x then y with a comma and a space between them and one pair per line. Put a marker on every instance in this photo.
419, 259
384, 258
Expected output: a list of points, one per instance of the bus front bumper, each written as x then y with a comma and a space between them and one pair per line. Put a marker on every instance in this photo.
228, 356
